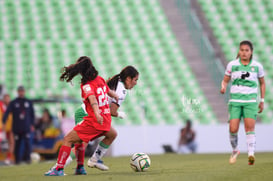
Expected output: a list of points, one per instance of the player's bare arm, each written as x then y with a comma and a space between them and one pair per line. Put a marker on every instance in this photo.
95, 107
114, 109
224, 84
113, 94
262, 90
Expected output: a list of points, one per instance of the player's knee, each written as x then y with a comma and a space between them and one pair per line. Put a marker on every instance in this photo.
233, 131
233, 128
115, 134
250, 129
111, 134
67, 141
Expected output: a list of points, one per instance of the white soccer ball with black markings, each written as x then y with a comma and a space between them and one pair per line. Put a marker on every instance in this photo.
140, 162
35, 157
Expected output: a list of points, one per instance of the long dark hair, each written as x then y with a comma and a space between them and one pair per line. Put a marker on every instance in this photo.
128, 71
246, 42
83, 66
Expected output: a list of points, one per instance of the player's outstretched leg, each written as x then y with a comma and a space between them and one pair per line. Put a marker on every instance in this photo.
95, 161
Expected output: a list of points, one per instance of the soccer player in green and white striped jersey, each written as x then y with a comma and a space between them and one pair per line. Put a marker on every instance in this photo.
246, 76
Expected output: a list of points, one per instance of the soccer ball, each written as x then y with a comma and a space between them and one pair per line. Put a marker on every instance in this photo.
140, 162
35, 157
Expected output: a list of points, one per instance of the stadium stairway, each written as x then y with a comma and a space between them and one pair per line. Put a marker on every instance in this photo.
195, 5
194, 59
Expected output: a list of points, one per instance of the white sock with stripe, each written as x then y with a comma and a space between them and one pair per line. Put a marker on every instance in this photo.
251, 142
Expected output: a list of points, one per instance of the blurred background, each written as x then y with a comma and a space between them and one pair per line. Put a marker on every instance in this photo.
180, 48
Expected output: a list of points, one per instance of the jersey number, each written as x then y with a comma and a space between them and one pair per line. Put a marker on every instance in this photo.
103, 99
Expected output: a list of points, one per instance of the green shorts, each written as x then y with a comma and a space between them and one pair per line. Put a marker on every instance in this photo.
243, 110
79, 114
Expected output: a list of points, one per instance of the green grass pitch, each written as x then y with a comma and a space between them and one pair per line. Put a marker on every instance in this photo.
167, 167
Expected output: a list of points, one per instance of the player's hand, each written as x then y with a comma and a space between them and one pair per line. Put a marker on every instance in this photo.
261, 107
223, 87
122, 115
99, 118
223, 90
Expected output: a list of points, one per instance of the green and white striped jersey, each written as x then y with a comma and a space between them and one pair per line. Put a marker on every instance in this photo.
244, 80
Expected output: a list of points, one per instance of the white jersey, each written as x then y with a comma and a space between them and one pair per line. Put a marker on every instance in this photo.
244, 80
121, 92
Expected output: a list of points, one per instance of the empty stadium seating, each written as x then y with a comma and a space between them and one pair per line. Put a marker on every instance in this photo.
37, 38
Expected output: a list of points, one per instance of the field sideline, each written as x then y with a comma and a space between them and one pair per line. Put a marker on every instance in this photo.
167, 167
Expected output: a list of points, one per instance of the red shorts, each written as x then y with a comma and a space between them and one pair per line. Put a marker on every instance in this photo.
87, 132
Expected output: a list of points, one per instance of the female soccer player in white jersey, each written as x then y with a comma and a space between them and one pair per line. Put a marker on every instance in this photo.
126, 79
120, 83
246, 75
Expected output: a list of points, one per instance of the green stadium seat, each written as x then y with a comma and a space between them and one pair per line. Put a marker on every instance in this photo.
53, 34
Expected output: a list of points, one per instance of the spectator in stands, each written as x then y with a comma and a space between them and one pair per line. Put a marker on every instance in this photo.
7, 128
187, 142
23, 124
2, 111
67, 124
43, 124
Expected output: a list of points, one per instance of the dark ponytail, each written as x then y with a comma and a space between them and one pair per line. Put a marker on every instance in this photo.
246, 42
128, 71
84, 67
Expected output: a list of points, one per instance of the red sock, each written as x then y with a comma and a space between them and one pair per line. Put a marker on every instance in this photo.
62, 157
79, 148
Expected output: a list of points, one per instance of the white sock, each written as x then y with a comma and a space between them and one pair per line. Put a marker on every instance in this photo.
100, 151
251, 142
68, 161
233, 137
